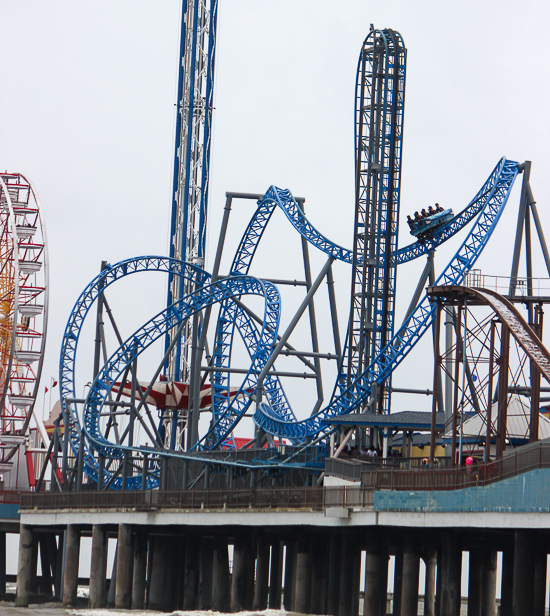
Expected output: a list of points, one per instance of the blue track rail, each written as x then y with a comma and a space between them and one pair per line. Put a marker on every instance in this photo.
412, 330
275, 416
157, 327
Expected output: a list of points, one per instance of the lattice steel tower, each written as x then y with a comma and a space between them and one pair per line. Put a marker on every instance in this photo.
380, 100
192, 159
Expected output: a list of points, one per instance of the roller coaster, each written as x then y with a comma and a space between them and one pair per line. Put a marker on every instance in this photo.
372, 350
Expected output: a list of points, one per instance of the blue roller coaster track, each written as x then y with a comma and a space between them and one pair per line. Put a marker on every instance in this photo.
371, 353
275, 415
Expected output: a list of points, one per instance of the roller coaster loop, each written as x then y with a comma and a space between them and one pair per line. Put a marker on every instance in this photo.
274, 415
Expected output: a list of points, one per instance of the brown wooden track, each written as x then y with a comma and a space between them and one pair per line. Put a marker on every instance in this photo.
507, 313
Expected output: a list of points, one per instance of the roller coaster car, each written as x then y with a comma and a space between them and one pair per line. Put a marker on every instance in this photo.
426, 226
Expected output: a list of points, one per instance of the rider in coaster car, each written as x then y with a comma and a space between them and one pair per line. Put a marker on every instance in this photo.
431, 211
417, 217
411, 222
438, 208
424, 213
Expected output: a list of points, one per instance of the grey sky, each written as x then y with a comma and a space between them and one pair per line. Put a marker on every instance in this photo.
87, 93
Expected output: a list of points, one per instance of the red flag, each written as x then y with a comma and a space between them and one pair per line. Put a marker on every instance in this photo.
45, 390
54, 383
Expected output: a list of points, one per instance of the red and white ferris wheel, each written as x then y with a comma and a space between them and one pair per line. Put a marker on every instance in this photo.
23, 307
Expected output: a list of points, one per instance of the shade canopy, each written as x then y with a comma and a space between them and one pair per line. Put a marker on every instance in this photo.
419, 421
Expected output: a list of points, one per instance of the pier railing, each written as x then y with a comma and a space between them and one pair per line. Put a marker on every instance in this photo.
352, 468
524, 459
10, 497
316, 499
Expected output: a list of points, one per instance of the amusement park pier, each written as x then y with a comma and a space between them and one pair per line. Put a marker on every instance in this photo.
231, 453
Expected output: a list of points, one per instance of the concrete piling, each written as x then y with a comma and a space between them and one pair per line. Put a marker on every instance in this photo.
397, 580
290, 573
239, 579
221, 596
262, 573
430, 560
333, 584
523, 580
475, 581
451, 574
157, 583
98, 568
139, 574
45, 565
24, 568
345, 605
207, 559
191, 574
489, 583
539, 582
376, 576
319, 572
124, 570
411, 571
276, 575
507, 581
302, 584
34, 564
72, 557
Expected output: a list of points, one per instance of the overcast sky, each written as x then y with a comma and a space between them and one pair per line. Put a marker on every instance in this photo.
87, 94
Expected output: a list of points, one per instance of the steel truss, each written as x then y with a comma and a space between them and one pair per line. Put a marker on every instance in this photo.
414, 326
380, 99
192, 160
501, 356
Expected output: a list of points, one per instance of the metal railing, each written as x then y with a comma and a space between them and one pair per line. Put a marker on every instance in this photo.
501, 284
352, 468
522, 460
10, 497
315, 499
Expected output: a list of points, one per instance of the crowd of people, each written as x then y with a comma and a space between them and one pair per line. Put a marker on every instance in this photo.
363, 452
420, 217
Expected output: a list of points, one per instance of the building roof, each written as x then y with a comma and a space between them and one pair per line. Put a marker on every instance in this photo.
517, 422
404, 420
